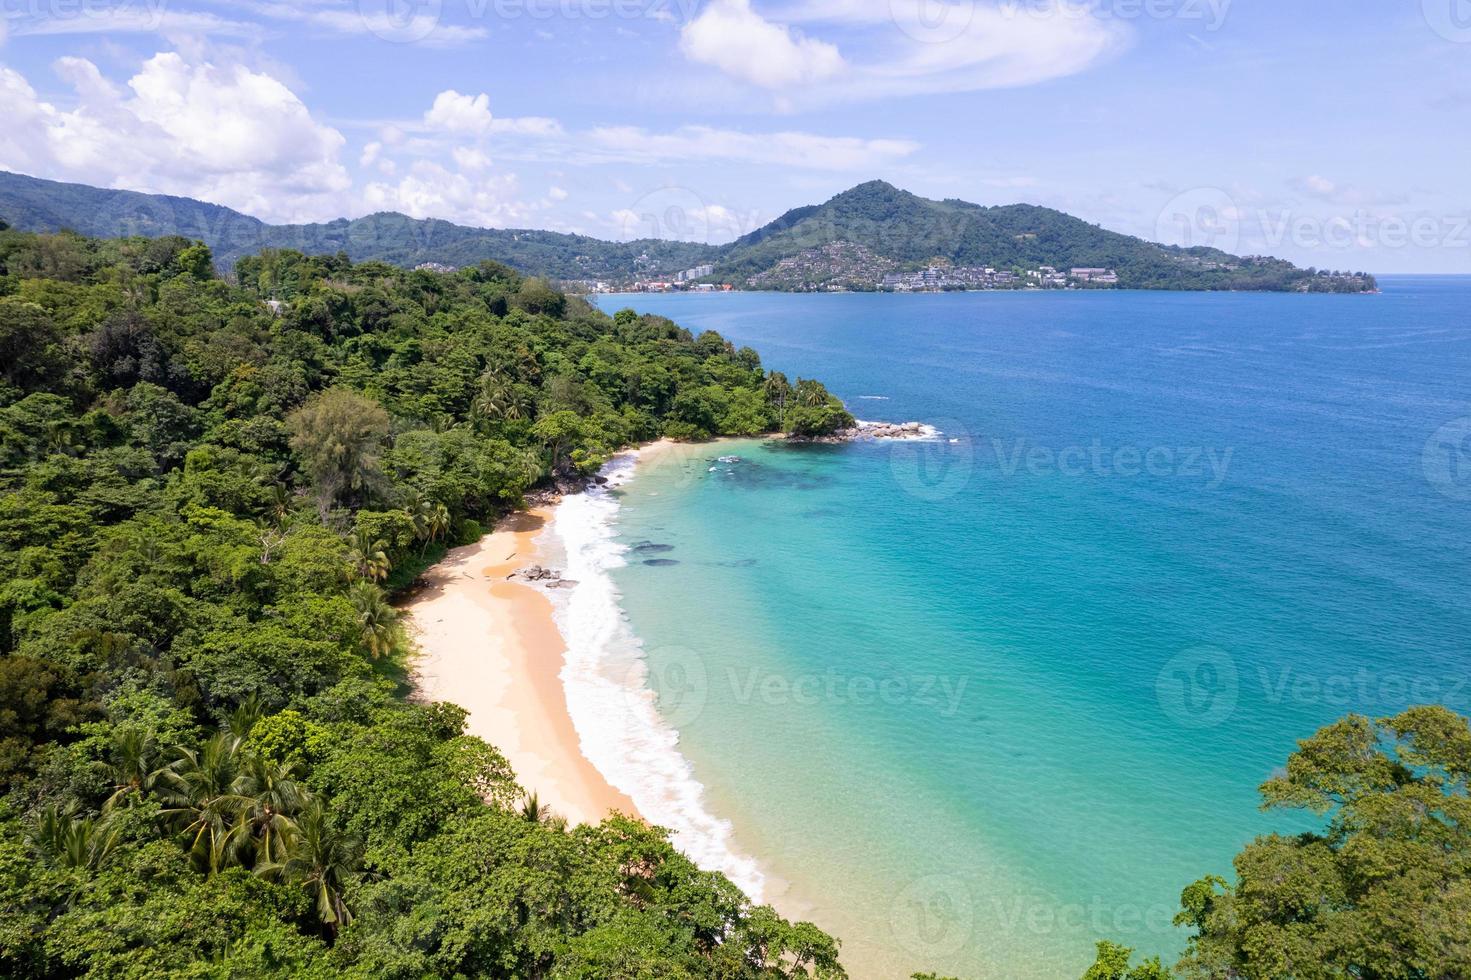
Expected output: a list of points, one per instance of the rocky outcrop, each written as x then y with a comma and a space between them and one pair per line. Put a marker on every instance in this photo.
548, 577
865, 431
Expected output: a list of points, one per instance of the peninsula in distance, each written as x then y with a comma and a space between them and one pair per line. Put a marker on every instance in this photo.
872, 237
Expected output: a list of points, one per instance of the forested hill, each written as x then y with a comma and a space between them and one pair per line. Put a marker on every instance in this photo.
851, 241
208, 767
880, 223
32, 204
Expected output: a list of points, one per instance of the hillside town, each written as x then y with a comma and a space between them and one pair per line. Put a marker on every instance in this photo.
844, 266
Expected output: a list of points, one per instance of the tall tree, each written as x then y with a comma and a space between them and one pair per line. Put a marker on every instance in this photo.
338, 435
1382, 892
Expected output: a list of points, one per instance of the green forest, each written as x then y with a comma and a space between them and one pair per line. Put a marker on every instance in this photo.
211, 491
210, 767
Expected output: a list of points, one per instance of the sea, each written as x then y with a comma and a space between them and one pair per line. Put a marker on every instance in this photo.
974, 701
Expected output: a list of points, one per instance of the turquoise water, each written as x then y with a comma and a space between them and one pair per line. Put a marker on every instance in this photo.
975, 703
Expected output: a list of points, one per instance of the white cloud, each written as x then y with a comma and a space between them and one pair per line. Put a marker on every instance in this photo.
527, 126
557, 193
731, 36
469, 158
422, 26
140, 18
456, 113
430, 190
790, 149
1343, 195
901, 47
224, 134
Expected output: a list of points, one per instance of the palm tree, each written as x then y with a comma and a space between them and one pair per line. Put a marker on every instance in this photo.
436, 524
73, 841
777, 390
275, 798
278, 503
133, 767
431, 519
533, 810
244, 717
368, 557
811, 393
320, 858
207, 792
499, 399
377, 620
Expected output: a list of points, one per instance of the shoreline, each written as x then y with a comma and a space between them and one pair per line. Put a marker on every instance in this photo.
493, 646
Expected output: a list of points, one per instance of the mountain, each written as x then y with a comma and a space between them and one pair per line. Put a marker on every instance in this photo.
33, 204
907, 232
852, 241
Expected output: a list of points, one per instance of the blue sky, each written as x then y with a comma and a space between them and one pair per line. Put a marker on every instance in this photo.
1333, 134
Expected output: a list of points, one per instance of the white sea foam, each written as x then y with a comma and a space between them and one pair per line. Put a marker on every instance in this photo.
608, 696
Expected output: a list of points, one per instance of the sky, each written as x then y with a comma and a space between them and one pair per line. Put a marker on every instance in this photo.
1333, 134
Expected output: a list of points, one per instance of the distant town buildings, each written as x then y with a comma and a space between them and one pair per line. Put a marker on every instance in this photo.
434, 267
1105, 277
698, 272
938, 278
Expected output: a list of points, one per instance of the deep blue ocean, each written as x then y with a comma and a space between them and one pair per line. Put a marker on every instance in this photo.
976, 702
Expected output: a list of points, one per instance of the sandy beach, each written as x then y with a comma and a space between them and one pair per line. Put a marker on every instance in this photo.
492, 646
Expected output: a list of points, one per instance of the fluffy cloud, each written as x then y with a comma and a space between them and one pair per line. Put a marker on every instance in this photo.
431, 190
470, 115
225, 134
900, 47
731, 36
456, 113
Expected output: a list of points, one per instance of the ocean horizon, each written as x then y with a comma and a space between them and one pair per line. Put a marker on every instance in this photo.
977, 701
